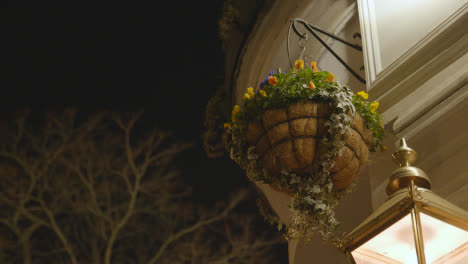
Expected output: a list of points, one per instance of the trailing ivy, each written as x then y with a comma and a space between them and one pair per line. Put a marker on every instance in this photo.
314, 194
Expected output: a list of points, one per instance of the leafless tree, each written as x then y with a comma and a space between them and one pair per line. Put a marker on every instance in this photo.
97, 189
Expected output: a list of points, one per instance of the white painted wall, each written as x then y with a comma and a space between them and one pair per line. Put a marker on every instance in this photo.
395, 31
402, 23
424, 98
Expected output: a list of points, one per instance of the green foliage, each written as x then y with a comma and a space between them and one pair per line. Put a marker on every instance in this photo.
373, 120
314, 194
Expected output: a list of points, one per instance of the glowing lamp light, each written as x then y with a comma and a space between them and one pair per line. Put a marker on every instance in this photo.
414, 225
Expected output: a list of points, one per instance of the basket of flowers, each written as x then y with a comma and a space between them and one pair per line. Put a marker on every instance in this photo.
306, 135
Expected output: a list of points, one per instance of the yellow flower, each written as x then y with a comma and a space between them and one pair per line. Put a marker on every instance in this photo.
246, 96
263, 93
234, 112
227, 126
272, 80
250, 92
373, 106
363, 94
383, 148
311, 85
299, 64
331, 78
314, 66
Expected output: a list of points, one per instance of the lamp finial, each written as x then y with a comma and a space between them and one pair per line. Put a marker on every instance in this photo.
404, 157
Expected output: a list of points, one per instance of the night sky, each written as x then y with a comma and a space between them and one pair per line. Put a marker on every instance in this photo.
162, 57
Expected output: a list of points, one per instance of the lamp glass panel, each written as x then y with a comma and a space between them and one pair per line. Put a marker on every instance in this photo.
394, 245
443, 243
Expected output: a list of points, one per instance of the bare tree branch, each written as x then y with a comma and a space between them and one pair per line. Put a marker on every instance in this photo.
196, 226
97, 190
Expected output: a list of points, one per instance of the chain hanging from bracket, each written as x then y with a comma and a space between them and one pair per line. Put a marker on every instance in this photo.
312, 30
302, 47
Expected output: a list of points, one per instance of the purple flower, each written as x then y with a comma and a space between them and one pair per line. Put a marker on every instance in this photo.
265, 81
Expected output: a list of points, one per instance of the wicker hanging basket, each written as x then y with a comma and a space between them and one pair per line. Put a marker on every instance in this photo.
291, 138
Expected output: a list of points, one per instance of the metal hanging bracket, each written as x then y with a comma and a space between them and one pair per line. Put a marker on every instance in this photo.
312, 29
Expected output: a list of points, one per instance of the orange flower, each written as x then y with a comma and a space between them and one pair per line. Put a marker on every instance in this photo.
227, 126
314, 66
272, 80
311, 85
299, 64
331, 78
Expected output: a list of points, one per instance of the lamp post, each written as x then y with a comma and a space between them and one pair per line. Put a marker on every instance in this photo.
414, 225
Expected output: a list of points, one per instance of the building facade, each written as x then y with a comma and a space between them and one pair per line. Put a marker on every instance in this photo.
415, 63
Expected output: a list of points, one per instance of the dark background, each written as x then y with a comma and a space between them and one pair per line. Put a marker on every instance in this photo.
163, 57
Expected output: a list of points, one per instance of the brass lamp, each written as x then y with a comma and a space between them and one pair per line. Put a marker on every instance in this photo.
414, 225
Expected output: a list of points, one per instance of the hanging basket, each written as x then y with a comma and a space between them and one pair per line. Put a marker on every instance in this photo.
292, 138
307, 136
